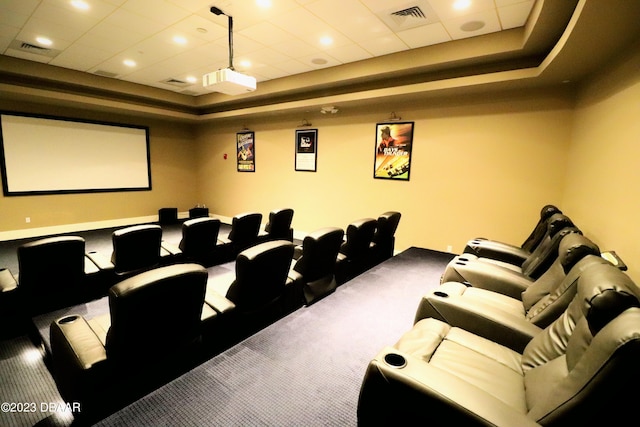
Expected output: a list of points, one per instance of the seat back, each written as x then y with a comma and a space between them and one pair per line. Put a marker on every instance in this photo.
261, 275
136, 248
155, 313
540, 229
244, 230
384, 237
546, 252
580, 368
279, 224
199, 237
359, 237
319, 253
549, 295
50, 270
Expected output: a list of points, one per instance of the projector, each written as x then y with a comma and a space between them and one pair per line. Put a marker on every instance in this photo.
229, 81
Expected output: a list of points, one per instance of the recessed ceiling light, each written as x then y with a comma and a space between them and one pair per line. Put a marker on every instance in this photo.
461, 4
44, 41
245, 63
191, 79
326, 40
129, 62
180, 39
264, 3
79, 4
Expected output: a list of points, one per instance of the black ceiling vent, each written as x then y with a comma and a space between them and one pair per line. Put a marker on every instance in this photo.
409, 15
22, 46
176, 82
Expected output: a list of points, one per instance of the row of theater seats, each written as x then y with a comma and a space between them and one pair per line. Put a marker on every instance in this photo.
547, 333
171, 315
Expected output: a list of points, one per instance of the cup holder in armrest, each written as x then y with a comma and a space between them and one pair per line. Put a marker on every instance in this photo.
68, 319
395, 360
441, 294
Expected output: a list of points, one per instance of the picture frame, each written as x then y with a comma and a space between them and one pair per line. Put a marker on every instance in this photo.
393, 143
246, 151
306, 150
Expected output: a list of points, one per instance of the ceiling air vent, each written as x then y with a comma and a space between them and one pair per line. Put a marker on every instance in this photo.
105, 73
176, 82
21, 46
409, 15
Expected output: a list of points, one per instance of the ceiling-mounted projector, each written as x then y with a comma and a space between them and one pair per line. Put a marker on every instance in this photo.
229, 81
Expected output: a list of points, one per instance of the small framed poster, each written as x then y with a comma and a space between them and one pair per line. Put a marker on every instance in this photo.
306, 149
246, 147
393, 150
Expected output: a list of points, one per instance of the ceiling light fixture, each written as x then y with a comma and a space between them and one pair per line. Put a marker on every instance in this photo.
129, 62
326, 40
44, 41
461, 4
228, 80
180, 39
79, 4
329, 109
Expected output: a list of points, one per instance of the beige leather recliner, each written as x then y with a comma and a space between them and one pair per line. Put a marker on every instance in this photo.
581, 370
496, 316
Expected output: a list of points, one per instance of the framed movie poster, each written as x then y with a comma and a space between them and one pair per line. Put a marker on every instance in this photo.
245, 142
306, 149
393, 150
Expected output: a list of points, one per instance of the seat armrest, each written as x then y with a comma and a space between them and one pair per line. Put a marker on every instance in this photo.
497, 250
78, 358
169, 249
218, 302
478, 318
8, 283
398, 386
102, 262
488, 276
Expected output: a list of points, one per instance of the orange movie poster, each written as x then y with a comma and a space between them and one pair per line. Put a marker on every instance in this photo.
393, 150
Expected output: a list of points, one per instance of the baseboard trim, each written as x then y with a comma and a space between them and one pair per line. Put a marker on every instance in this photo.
82, 226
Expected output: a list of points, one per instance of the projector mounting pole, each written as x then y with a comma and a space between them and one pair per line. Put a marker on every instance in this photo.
217, 11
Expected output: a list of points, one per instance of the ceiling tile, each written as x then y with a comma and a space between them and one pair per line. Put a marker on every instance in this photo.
425, 35
515, 15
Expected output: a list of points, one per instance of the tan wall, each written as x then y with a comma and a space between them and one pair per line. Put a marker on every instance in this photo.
480, 166
603, 179
173, 182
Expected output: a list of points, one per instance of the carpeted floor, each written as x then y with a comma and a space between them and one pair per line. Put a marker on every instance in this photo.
305, 369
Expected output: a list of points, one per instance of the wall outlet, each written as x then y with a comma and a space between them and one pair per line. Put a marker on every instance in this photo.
449, 248
27, 219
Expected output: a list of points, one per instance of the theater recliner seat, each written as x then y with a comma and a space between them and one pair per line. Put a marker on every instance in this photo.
512, 321
139, 248
384, 240
512, 280
483, 247
155, 319
244, 233
259, 288
199, 241
581, 370
56, 272
355, 253
313, 269
279, 226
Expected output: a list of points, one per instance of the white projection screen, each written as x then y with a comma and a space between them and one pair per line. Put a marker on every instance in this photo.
47, 155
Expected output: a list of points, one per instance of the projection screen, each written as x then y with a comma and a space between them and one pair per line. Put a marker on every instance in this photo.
48, 155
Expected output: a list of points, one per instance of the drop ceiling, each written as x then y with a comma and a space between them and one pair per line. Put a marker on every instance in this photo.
174, 42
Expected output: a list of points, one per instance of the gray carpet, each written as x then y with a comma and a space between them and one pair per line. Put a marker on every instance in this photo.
307, 368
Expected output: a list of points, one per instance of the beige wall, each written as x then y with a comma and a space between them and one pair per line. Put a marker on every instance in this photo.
173, 183
603, 178
480, 166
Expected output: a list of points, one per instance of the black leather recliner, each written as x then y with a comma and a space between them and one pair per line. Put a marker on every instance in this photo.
355, 252
199, 241
483, 247
244, 233
279, 226
154, 321
313, 270
577, 371
258, 289
138, 248
56, 272
383, 243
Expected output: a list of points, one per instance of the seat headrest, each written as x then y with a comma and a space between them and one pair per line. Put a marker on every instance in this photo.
548, 210
573, 247
605, 292
557, 222
137, 229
